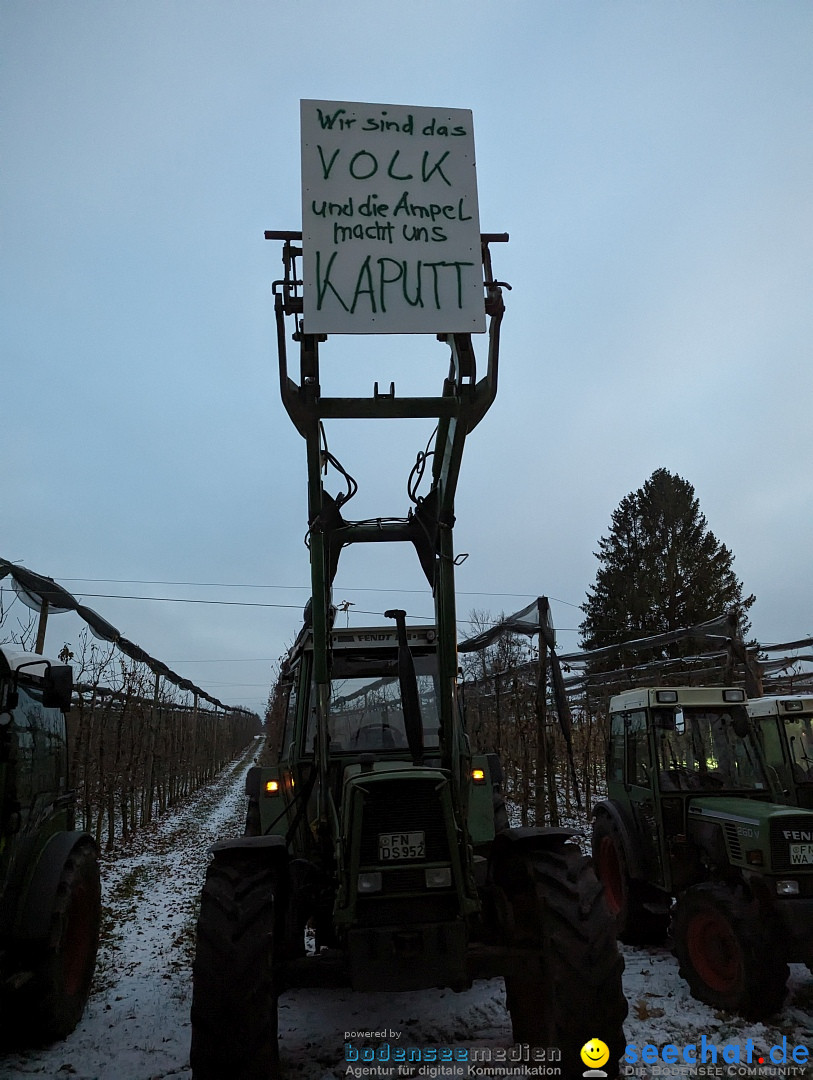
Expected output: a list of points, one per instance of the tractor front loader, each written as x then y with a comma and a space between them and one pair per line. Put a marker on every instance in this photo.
378, 830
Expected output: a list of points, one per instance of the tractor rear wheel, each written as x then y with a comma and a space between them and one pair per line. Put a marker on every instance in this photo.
728, 953
63, 976
234, 1002
626, 898
558, 911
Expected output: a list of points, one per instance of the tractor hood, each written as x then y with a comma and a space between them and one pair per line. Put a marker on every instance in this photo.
751, 812
760, 836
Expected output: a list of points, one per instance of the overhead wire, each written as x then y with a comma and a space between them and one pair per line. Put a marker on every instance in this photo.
258, 604
347, 588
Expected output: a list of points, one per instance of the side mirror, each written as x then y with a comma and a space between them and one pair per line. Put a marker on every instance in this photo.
58, 689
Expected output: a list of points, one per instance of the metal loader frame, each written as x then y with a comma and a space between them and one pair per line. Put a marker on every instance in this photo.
459, 408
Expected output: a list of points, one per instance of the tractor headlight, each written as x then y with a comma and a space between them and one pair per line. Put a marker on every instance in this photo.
370, 882
440, 877
787, 888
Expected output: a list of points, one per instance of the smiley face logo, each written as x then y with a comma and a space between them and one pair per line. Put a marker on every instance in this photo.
595, 1053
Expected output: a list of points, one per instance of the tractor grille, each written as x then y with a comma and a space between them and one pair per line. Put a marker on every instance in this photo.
404, 881
734, 840
406, 910
780, 844
404, 806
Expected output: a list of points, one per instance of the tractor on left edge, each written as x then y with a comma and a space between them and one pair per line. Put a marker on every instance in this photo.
50, 896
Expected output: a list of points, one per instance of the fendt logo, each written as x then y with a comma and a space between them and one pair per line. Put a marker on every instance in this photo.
797, 834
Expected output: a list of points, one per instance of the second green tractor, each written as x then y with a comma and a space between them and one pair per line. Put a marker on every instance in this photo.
692, 836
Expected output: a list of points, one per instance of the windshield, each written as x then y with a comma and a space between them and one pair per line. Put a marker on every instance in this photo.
365, 705
800, 743
699, 750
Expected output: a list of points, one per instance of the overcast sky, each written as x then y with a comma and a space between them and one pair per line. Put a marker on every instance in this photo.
652, 163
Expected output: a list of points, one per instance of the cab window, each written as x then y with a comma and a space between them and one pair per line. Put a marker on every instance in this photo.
615, 766
639, 762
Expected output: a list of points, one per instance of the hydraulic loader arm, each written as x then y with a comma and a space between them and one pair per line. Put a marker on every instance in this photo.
460, 406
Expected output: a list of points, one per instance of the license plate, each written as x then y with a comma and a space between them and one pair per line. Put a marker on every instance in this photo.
401, 845
801, 854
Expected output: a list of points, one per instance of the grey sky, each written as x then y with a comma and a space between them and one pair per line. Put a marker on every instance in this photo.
652, 163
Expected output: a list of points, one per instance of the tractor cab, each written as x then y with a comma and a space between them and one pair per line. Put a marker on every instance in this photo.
784, 725
668, 748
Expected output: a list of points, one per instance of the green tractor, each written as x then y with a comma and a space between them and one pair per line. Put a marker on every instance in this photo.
690, 817
784, 724
50, 903
379, 831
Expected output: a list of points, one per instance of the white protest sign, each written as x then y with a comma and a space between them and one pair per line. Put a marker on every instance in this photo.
390, 223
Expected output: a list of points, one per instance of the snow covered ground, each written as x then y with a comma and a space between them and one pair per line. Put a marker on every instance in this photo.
136, 1026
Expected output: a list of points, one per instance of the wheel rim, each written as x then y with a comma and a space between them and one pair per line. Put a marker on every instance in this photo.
714, 951
612, 878
77, 946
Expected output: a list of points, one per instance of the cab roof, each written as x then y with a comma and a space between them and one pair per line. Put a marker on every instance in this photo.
33, 663
782, 705
655, 696
367, 638
384, 637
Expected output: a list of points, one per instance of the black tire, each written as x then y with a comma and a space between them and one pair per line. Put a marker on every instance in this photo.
729, 954
626, 898
234, 1003
558, 911
63, 976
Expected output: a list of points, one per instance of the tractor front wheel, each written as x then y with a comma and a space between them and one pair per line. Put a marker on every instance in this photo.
234, 1002
62, 979
558, 913
626, 898
728, 952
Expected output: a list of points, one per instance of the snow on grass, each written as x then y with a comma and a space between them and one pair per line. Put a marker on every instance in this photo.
136, 1026
662, 1011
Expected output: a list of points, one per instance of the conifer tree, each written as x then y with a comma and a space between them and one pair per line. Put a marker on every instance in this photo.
661, 568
